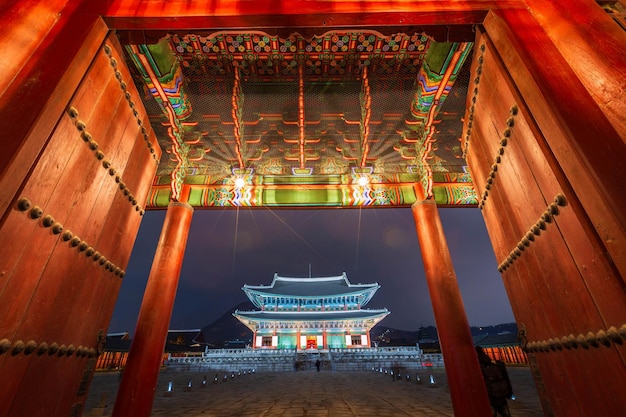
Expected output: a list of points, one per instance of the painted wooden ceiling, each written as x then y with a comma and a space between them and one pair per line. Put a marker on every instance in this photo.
338, 118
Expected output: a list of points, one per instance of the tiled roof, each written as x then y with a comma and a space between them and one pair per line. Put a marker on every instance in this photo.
317, 286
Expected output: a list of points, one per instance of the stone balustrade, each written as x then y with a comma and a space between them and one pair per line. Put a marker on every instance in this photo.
340, 359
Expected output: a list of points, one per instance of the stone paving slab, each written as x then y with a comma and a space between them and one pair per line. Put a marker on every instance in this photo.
306, 394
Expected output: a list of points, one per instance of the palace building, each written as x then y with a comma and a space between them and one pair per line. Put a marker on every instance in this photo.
311, 313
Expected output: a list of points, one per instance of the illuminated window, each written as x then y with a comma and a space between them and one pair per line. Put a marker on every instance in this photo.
356, 339
267, 341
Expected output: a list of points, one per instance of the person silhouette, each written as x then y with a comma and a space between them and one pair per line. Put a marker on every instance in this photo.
497, 383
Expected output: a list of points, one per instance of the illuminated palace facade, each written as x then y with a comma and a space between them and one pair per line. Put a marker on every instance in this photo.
311, 313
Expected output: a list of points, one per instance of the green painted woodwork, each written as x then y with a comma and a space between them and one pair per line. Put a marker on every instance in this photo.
287, 341
336, 341
341, 196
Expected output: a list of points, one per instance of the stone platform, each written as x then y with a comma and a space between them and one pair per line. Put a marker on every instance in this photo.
306, 393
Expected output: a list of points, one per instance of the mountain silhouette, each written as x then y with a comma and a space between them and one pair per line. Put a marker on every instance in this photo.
227, 329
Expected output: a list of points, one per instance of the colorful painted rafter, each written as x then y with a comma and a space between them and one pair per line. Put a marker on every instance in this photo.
433, 90
175, 130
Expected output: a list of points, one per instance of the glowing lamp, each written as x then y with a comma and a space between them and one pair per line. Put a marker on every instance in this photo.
363, 181
239, 182
168, 392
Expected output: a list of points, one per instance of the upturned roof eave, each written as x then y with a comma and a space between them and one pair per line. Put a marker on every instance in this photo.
365, 289
258, 315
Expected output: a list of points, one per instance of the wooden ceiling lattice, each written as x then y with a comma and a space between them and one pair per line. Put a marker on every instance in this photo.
343, 118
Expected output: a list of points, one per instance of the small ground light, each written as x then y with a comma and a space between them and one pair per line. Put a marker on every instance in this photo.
168, 392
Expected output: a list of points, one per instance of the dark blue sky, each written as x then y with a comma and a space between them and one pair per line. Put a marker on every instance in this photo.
230, 248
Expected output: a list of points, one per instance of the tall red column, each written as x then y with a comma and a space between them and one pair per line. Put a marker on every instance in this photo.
467, 389
138, 385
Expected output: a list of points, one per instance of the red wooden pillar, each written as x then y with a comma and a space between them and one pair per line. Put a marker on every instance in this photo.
467, 389
138, 385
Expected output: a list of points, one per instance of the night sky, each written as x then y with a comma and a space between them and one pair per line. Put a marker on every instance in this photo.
229, 248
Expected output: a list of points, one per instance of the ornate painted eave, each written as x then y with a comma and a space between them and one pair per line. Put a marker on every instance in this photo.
301, 118
307, 320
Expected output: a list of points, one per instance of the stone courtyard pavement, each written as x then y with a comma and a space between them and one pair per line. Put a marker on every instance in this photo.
305, 393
